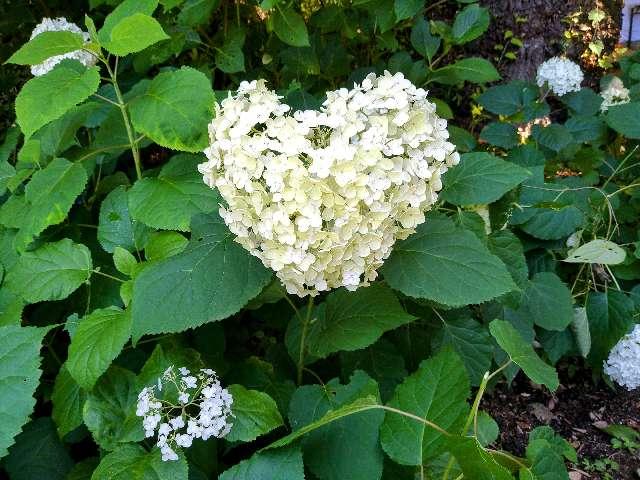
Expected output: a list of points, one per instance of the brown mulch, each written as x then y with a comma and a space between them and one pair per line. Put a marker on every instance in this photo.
575, 411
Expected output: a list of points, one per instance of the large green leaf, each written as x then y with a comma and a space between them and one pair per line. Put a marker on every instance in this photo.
446, 264
45, 45
45, 98
213, 278
126, 9
170, 200
407, 8
48, 197
500, 134
38, 453
354, 320
618, 117
110, 410
19, 377
481, 178
229, 57
290, 27
345, 449
548, 301
509, 98
610, 315
255, 414
52, 272
436, 392
470, 22
283, 464
472, 69
132, 462
523, 355
133, 34
115, 226
97, 341
597, 251
175, 109
68, 400
422, 40
546, 462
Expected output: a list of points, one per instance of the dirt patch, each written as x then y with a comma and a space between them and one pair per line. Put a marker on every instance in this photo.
575, 411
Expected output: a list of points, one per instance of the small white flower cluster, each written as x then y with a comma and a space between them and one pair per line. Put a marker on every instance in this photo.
614, 94
321, 196
623, 364
57, 25
561, 75
201, 409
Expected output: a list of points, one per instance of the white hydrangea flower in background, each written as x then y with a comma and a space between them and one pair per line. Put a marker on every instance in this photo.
201, 409
56, 25
623, 364
561, 75
321, 196
614, 94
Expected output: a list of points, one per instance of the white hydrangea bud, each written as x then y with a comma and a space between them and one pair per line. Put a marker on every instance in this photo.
201, 409
57, 25
623, 364
561, 75
614, 94
321, 196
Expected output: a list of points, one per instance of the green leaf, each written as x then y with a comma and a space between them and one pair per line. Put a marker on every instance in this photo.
548, 302
255, 414
290, 27
446, 264
610, 315
481, 178
175, 109
213, 278
470, 22
97, 341
52, 272
597, 251
546, 463
229, 57
164, 356
46, 45
126, 9
124, 261
436, 392
163, 245
19, 377
170, 200
580, 330
283, 464
115, 226
618, 118
46, 98
523, 355
345, 449
49, 197
132, 462
506, 246
357, 406
508, 99
471, 341
133, 34
475, 462
38, 453
500, 134
473, 69
110, 410
354, 320
407, 8
422, 40
555, 136
196, 12
68, 400
583, 102
559, 444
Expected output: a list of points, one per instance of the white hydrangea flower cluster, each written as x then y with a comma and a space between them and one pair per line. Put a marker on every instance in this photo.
57, 25
561, 75
321, 196
201, 409
614, 94
623, 364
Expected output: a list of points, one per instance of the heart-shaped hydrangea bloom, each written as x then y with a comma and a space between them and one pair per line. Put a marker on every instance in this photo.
321, 196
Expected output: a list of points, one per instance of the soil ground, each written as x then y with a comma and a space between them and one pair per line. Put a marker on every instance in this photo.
575, 411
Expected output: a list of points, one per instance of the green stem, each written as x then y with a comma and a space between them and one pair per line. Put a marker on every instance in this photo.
303, 339
125, 117
98, 272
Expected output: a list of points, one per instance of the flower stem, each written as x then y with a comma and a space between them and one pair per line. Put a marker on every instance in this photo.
303, 339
